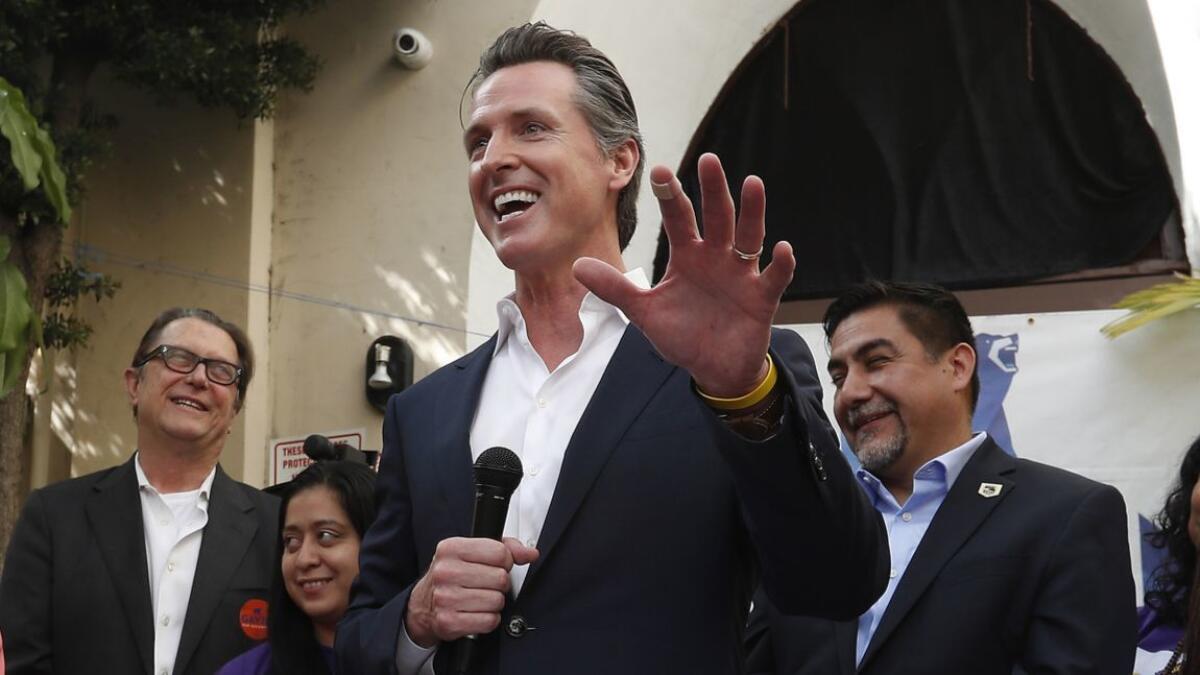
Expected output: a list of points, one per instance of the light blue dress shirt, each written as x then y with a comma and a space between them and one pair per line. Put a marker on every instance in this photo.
906, 524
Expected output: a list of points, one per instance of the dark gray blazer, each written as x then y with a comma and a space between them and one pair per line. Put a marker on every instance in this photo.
1034, 580
652, 545
75, 595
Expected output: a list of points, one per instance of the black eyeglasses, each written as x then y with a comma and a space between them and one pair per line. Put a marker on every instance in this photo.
181, 360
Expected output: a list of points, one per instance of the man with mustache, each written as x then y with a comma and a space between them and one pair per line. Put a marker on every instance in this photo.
998, 565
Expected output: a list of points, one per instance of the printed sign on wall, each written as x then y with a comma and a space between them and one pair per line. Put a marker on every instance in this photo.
288, 458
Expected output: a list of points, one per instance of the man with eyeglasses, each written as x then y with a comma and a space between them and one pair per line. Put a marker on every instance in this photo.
161, 565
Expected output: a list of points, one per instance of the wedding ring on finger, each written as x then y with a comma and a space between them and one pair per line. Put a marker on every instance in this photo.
748, 256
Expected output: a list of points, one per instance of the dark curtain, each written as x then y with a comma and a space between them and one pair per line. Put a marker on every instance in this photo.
971, 143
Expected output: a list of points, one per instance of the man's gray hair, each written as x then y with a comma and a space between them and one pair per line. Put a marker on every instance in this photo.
602, 96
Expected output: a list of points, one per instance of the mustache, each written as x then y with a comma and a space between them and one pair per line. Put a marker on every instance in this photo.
861, 414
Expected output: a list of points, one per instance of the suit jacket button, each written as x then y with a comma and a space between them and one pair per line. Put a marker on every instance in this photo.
516, 626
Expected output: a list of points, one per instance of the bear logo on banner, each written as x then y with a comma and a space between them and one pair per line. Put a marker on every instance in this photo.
997, 365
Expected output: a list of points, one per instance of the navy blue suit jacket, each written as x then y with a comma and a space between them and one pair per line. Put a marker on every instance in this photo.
1035, 579
659, 524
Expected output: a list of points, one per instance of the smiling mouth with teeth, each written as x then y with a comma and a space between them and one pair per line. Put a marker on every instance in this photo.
188, 403
514, 203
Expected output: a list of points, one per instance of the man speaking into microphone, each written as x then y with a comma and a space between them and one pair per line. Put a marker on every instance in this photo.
673, 446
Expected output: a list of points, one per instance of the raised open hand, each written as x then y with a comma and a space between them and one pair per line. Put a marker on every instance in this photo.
711, 313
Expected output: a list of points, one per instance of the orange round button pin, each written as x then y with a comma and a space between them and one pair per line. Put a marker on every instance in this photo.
253, 618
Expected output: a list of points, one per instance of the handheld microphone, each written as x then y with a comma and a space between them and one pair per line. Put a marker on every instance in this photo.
498, 471
319, 448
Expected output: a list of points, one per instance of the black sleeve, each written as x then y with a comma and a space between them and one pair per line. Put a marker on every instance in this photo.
368, 634
25, 593
1084, 619
821, 545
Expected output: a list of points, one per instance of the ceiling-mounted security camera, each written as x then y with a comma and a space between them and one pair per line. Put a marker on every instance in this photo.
412, 49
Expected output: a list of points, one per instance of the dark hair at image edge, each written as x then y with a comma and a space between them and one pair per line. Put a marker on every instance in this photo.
1171, 584
240, 340
601, 94
931, 313
294, 647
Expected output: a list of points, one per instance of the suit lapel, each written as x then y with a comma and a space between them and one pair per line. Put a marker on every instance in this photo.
455, 412
114, 511
634, 374
229, 532
959, 516
846, 635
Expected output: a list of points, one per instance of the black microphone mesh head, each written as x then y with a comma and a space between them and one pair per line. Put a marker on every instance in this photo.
499, 467
500, 459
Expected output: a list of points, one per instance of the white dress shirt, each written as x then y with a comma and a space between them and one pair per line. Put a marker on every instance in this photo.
533, 412
173, 523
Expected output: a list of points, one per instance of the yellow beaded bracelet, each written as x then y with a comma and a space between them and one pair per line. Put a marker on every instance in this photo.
742, 402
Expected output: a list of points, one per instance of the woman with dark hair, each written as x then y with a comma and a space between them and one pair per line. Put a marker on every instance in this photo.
324, 513
1161, 634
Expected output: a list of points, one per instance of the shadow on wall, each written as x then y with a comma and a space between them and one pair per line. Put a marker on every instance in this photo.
168, 215
435, 303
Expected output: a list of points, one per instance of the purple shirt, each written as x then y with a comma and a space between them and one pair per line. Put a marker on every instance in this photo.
257, 661
1155, 636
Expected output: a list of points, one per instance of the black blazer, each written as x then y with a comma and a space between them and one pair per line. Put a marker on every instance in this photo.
1036, 579
75, 595
650, 547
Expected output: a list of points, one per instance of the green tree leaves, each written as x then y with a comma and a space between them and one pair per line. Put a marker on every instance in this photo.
17, 124
32, 150
1154, 303
35, 159
16, 320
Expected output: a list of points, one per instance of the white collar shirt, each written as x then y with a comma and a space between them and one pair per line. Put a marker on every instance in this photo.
174, 526
534, 412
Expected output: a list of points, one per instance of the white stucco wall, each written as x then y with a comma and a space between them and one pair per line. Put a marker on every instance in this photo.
1177, 24
372, 225
171, 203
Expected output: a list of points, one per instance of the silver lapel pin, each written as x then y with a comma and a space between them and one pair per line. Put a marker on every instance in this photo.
990, 490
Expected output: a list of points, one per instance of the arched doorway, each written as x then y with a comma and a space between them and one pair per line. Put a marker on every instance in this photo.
977, 145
